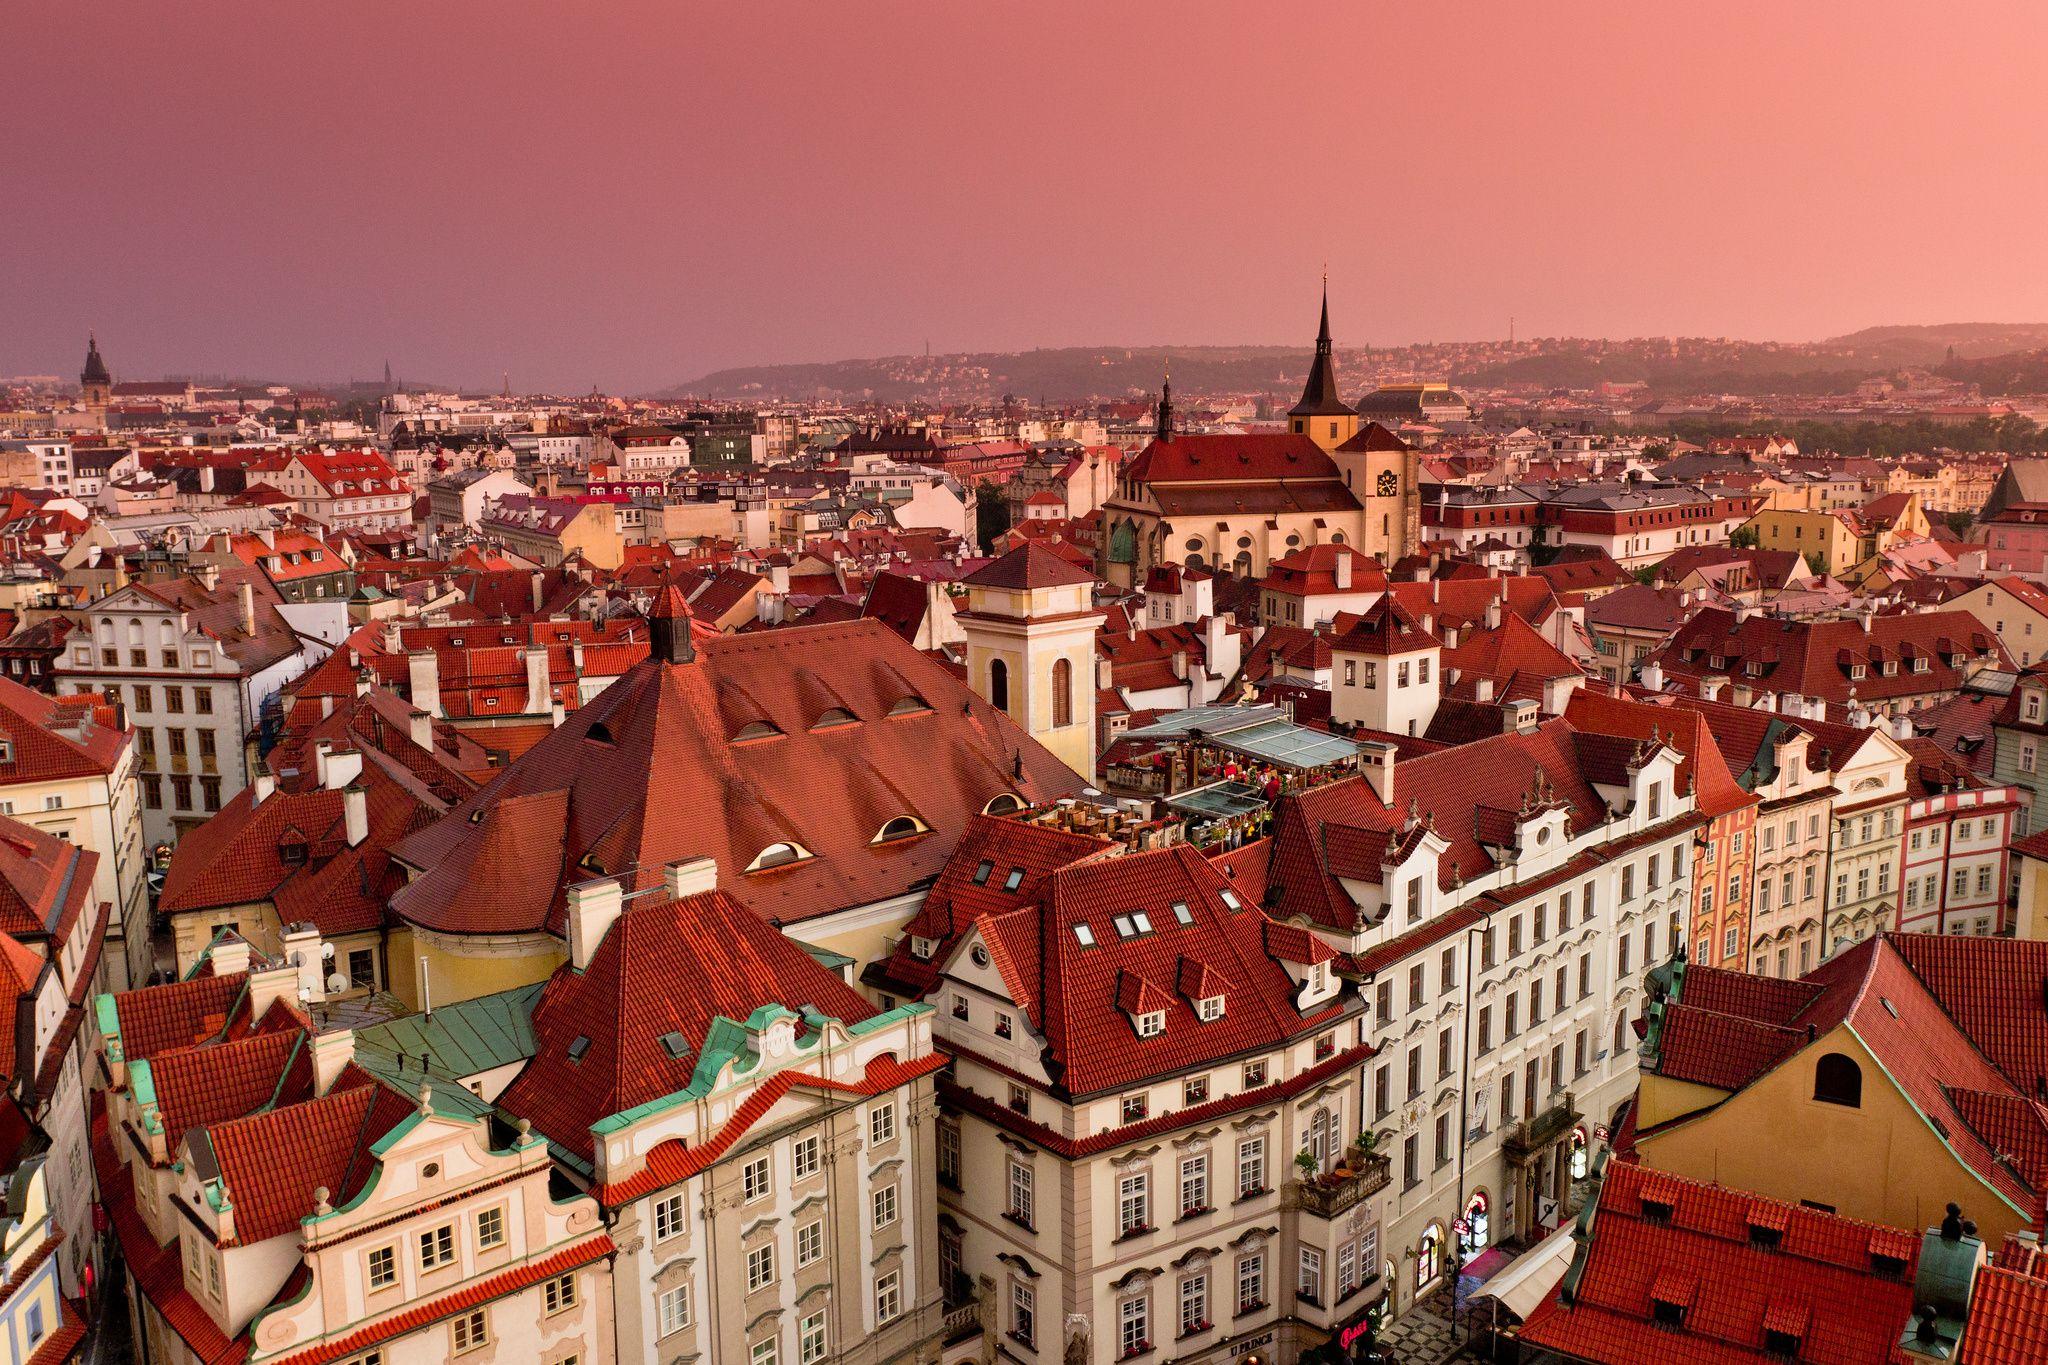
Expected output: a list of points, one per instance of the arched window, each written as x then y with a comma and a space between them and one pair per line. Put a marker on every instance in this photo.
778, 855
1322, 1138
1838, 1080
1062, 692
999, 684
1478, 1226
1123, 543
1429, 1256
902, 827
1002, 803
1580, 1154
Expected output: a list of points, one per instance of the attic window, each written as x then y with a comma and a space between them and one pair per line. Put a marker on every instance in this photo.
1656, 1210
981, 872
1152, 1024
578, 1047
1014, 880
778, 855
675, 1045
1084, 935
1181, 913
1856, 670
1002, 803
1782, 1344
1230, 899
909, 706
902, 827
837, 716
1764, 1236
600, 732
1667, 1314
1210, 1008
1887, 1267
6, 751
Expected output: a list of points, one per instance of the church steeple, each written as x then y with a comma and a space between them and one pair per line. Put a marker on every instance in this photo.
95, 385
1319, 396
1162, 429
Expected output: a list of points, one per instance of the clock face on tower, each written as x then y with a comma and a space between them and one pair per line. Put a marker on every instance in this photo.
1388, 485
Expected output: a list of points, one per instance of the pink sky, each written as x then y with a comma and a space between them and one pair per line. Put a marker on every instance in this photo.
631, 192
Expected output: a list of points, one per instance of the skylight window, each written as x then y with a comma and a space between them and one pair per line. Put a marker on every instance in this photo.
578, 1047
1230, 899
675, 1045
1014, 880
981, 873
1124, 927
1181, 913
1084, 935
1142, 920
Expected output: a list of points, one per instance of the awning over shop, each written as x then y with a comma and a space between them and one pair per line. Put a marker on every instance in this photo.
1529, 1278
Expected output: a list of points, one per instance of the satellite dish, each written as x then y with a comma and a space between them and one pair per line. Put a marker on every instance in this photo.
327, 952
337, 983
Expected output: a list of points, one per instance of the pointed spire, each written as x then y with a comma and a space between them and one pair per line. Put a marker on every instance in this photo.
95, 371
668, 625
1319, 396
1163, 427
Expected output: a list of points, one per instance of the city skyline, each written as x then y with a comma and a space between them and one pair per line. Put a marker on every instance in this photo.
481, 198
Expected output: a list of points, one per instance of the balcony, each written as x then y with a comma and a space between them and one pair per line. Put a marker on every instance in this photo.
1359, 1176
1522, 1142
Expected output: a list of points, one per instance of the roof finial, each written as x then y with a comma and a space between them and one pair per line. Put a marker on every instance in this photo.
1163, 427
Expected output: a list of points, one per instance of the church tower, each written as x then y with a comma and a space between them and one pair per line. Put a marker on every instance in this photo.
1321, 415
1030, 623
95, 385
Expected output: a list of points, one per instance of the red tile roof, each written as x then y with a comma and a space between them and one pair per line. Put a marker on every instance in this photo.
1231, 459
273, 1163
667, 966
50, 738
1816, 658
1817, 1282
1703, 770
1030, 565
2008, 1318
45, 883
1071, 991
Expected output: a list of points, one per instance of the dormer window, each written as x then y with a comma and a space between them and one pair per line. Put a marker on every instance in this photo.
1209, 1008
778, 855
923, 948
902, 827
1152, 1024
836, 716
1920, 664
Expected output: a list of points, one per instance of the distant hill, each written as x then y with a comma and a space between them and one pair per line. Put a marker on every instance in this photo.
1668, 365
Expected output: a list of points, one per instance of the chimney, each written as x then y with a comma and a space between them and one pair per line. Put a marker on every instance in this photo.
1343, 570
690, 877
355, 812
1741, 694
593, 905
230, 955
1482, 689
537, 689
1902, 726
1493, 613
304, 950
1710, 687
423, 672
421, 726
1652, 676
265, 786
208, 576
1180, 664
332, 1052
248, 609
539, 589
343, 767
1103, 681
1376, 761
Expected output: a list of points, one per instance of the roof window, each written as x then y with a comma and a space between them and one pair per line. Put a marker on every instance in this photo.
778, 855
980, 877
1014, 880
1181, 913
675, 1045
577, 1047
1084, 935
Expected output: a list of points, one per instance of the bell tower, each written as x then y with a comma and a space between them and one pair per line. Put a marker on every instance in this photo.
95, 385
1322, 415
1030, 624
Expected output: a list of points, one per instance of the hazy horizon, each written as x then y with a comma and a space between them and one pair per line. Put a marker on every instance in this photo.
642, 194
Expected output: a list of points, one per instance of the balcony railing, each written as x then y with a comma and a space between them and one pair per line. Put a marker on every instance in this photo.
1521, 1142
1335, 1192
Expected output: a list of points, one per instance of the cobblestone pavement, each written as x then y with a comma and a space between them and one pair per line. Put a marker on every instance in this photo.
1422, 1335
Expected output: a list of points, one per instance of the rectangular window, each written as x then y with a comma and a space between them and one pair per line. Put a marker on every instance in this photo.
673, 1305
763, 1353
437, 1247
888, 1297
490, 1228
1312, 1275
1194, 1305
1485, 1028
1133, 1108
1251, 1284
1194, 1090
383, 1268
668, 1217
1254, 1074
1194, 1185
1023, 1196
881, 1124
1251, 1167
559, 1294
1133, 1329
1024, 1313
754, 1180
810, 1339
803, 1157
472, 1331
1133, 1205
760, 1267
810, 1242
883, 1202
